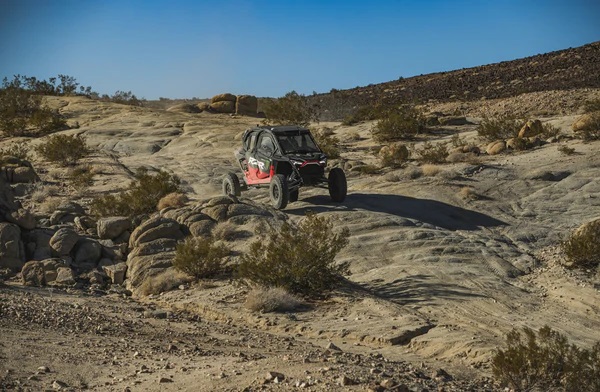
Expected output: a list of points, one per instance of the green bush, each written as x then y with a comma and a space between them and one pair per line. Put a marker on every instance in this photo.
142, 197
300, 259
499, 128
201, 257
64, 149
546, 361
293, 108
432, 153
328, 143
399, 123
582, 247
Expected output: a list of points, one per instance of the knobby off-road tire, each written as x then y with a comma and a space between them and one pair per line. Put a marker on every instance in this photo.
231, 185
337, 185
279, 192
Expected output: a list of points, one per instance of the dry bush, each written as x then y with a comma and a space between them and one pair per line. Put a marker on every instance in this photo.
592, 105
172, 200
81, 177
499, 128
430, 170
272, 299
142, 197
399, 123
582, 247
18, 150
328, 143
565, 150
165, 281
353, 137
64, 149
546, 361
432, 153
549, 131
394, 155
201, 257
367, 169
299, 258
590, 130
392, 177
468, 193
49, 205
42, 192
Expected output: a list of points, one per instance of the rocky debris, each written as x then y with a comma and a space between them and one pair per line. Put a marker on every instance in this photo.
112, 227
12, 251
116, 272
274, 377
23, 218
66, 212
495, 148
32, 274
17, 171
65, 276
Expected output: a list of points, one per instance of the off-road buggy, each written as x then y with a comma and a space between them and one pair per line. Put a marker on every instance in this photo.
284, 159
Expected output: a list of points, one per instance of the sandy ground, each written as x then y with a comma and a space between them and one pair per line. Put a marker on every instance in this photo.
437, 280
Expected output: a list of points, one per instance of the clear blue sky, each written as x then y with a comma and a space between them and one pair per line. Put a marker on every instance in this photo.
182, 49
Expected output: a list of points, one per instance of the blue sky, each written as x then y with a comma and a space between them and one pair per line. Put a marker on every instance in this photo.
184, 49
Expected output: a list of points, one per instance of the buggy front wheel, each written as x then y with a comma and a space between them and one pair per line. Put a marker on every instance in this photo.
279, 192
231, 185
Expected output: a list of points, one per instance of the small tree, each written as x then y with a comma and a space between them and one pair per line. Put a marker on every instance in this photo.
292, 108
299, 258
64, 149
200, 257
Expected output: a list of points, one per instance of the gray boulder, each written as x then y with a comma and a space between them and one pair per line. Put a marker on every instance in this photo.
12, 251
32, 274
87, 251
64, 240
113, 227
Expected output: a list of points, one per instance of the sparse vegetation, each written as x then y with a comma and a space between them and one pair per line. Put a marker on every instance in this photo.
468, 193
395, 155
550, 131
272, 299
592, 105
399, 123
292, 108
201, 257
81, 177
499, 128
363, 113
590, 128
300, 259
142, 196
430, 170
546, 360
64, 149
432, 153
582, 247
172, 200
328, 143
367, 169
566, 150
165, 281
17, 150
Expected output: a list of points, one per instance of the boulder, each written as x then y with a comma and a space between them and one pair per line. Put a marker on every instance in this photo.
66, 213
184, 108
201, 228
203, 106
113, 227
32, 274
246, 105
64, 240
223, 98
23, 218
116, 272
223, 107
141, 268
587, 121
155, 228
12, 250
496, 147
39, 241
87, 251
531, 128
85, 224
65, 276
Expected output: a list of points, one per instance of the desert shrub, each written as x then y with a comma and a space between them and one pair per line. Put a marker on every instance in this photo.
200, 257
164, 281
142, 196
328, 143
590, 129
430, 170
565, 150
592, 105
582, 247
432, 153
81, 177
550, 131
125, 98
299, 258
395, 155
468, 193
18, 150
353, 137
363, 113
499, 128
272, 299
399, 123
64, 149
415, 172
456, 141
545, 361
292, 108
172, 200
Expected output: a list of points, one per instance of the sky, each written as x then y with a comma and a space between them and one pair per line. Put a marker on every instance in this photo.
185, 49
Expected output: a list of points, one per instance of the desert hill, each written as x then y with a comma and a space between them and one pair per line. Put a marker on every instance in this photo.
445, 259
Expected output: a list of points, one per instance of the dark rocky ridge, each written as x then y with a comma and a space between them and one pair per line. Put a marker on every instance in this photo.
567, 69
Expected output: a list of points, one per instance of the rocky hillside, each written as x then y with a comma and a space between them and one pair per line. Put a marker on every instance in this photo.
568, 69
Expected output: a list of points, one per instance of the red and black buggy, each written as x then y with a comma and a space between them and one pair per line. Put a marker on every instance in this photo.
283, 158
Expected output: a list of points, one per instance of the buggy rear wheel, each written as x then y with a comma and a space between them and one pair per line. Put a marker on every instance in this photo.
279, 192
231, 185
337, 185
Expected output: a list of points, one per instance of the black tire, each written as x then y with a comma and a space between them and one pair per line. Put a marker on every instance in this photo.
294, 196
231, 185
337, 185
279, 192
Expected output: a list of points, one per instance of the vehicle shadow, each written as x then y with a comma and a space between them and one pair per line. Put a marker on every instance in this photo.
425, 210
